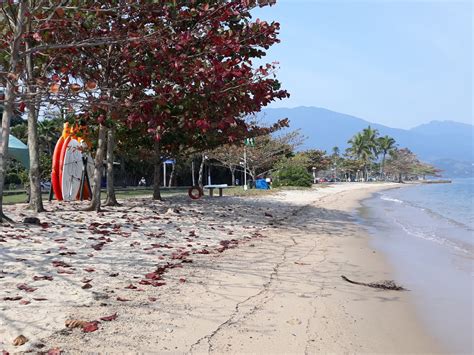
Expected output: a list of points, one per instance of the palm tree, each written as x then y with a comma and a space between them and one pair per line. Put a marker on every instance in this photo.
385, 145
364, 147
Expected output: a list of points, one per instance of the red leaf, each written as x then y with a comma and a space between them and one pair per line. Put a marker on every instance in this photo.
122, 299
24, 302
90, 327
55, 351
152, 276
25, 287
182, 280
21, 107
40, 299
15, 298
48, 278
109, 318
89, 269
152, 299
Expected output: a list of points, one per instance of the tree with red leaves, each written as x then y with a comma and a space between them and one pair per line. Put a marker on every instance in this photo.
197, 84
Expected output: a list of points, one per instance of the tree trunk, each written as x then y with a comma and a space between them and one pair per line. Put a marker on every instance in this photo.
98, 166
35, 200
157, 173
111, 198
400, 180
201, 172
232, 172
9, 98
172, 175
382, 168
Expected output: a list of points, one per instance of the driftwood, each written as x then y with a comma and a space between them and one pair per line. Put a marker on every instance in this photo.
384, 285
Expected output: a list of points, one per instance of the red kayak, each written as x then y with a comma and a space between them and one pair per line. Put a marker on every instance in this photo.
55, 181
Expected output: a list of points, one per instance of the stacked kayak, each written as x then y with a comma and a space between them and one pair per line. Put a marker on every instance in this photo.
72, 167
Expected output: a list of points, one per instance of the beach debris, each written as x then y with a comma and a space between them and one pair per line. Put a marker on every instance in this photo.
122, 299
75, 323
25, 287
109, 318
32, 220
90, 327
268, 214
384, 285
54, 351
20, 340
12, 298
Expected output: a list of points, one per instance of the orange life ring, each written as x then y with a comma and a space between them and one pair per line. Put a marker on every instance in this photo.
193, 195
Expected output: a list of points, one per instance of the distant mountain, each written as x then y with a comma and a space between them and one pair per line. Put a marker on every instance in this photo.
324, 129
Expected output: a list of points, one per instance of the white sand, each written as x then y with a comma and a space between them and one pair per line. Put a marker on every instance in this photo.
279, 290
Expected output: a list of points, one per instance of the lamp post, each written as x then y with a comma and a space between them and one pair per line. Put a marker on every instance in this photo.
314, 174
245, 167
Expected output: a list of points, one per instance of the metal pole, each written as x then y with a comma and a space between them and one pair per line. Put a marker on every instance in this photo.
192, 171
245, 167
164, 174
209, 173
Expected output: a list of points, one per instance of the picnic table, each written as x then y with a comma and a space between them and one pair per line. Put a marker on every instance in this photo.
211, 188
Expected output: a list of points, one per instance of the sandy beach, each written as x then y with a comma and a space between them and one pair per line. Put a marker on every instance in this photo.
221, 275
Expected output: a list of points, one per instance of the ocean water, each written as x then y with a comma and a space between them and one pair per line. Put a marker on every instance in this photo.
427, 233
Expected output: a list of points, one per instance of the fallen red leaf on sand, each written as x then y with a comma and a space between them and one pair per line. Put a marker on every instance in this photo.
152, 299
109, 318
24, 302
25, 287
157, 284
121, 299
65, 271
182, 280
131, 287
14, 298
86, 286
40, 299
90, 327
57, 263
89, 269
153, 276
38, 278
55, 351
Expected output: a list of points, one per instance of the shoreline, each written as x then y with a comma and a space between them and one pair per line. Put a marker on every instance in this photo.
405, 227
279, 290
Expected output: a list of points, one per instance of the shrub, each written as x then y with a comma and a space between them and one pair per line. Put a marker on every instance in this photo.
291, 173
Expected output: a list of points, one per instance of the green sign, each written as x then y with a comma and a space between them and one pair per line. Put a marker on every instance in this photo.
249, 142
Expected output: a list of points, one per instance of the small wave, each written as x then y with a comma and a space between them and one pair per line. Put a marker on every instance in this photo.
433, 238
386, 198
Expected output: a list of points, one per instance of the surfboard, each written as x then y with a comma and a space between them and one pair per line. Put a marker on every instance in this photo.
55, 169
61, 161
72, 170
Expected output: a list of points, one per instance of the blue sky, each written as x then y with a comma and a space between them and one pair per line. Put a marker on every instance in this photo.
399, 63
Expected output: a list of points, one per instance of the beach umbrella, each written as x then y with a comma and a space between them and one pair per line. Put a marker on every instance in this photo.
19, 150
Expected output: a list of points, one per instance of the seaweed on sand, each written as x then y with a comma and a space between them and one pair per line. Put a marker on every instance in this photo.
384, 285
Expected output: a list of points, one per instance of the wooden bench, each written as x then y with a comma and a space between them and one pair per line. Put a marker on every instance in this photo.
212, 187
